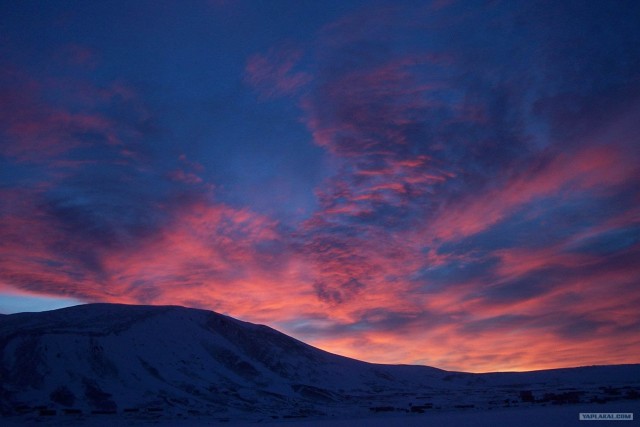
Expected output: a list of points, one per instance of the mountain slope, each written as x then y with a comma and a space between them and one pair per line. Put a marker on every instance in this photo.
113, 358
108, 357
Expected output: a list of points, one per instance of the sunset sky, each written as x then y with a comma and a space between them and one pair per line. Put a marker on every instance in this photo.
449, 183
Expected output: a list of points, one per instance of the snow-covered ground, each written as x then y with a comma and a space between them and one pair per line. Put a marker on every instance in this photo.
543, 416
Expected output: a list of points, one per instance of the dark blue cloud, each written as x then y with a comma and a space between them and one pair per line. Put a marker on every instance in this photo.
438, 279
524, 288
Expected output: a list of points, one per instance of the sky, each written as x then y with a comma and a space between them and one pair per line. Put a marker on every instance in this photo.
449, 183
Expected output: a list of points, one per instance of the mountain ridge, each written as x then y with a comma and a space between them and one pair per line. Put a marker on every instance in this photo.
115, 357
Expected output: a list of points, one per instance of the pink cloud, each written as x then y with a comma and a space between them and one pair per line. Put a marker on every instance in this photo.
40, 128
185, 177
594, 168
273, 73
528, 338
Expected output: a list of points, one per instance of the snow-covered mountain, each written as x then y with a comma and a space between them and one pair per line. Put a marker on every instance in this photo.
176, 361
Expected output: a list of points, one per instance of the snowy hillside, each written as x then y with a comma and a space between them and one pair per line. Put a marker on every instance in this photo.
172, 362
